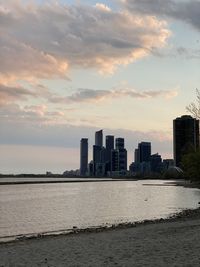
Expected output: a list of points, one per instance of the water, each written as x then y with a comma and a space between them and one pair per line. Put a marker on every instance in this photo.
43, 208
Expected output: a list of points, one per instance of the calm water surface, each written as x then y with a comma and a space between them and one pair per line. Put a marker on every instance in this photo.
38, 208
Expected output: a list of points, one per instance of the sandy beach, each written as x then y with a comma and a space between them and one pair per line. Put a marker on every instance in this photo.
173, 242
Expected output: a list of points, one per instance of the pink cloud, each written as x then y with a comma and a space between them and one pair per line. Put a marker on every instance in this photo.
45, 40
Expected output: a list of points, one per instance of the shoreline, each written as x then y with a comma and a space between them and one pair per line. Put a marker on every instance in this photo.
168, 182
73, 180
173, 241
174, 217
184, 215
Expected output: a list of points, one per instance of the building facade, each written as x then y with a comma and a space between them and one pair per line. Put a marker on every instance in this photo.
185, 137
109, 148
144, 151
83, 156
119, 157
99, 138
168, 163
136, 156
156, 163
99, 155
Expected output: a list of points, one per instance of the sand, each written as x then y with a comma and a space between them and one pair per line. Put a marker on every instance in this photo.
174, 242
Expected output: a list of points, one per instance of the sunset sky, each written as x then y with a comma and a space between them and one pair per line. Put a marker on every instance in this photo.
70, 68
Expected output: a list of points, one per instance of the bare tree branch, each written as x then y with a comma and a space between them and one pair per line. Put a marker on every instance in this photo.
194, 108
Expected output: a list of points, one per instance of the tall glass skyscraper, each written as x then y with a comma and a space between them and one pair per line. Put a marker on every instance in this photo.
110, 142
144, 150
109, 148
119, 156
99, 138
83, 156
136, 155
99, 154
186, 136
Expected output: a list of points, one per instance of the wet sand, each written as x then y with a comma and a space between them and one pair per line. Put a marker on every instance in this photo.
173, 242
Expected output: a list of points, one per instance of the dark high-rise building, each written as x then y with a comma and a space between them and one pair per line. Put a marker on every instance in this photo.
109, 142
186, 136
156, 163
99, 138
83, 156
103, 155
144, 151
119, 143
134, 167
122, 160
109, 148
119, 156
114, 160
99, 155
167, 163
137, 156
96, 154
99, 160
91, 168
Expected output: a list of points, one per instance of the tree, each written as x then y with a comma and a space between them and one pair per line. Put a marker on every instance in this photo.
194, 108
191, 160
191, 165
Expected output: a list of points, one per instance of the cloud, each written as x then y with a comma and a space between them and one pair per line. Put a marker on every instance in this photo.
20, 60
90, 95
66, 135
34, 115
188, 53
17, 96
38, 149
10, 94
46, 40
39, 127
187, 11
102, 7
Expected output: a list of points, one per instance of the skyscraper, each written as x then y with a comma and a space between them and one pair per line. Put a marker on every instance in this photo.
109, 148
144, 151
114, 160
119, 143
120, 156
99, 154
156, 163
186, 136
96, 154
99, 138
83, 156
136, 156
109, 142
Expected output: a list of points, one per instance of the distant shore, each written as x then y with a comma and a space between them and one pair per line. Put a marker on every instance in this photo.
61, 180
169, 182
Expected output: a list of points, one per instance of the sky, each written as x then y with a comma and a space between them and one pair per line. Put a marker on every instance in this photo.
70, 68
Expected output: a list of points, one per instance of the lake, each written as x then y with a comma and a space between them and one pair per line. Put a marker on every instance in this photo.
28, 209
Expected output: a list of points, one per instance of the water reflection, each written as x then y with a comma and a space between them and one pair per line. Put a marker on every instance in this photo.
38, 208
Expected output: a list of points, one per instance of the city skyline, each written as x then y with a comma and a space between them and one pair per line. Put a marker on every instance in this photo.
69, 68
109, 158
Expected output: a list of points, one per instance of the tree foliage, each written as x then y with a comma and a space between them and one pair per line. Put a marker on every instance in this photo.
194, 108
191, 160
191, 165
